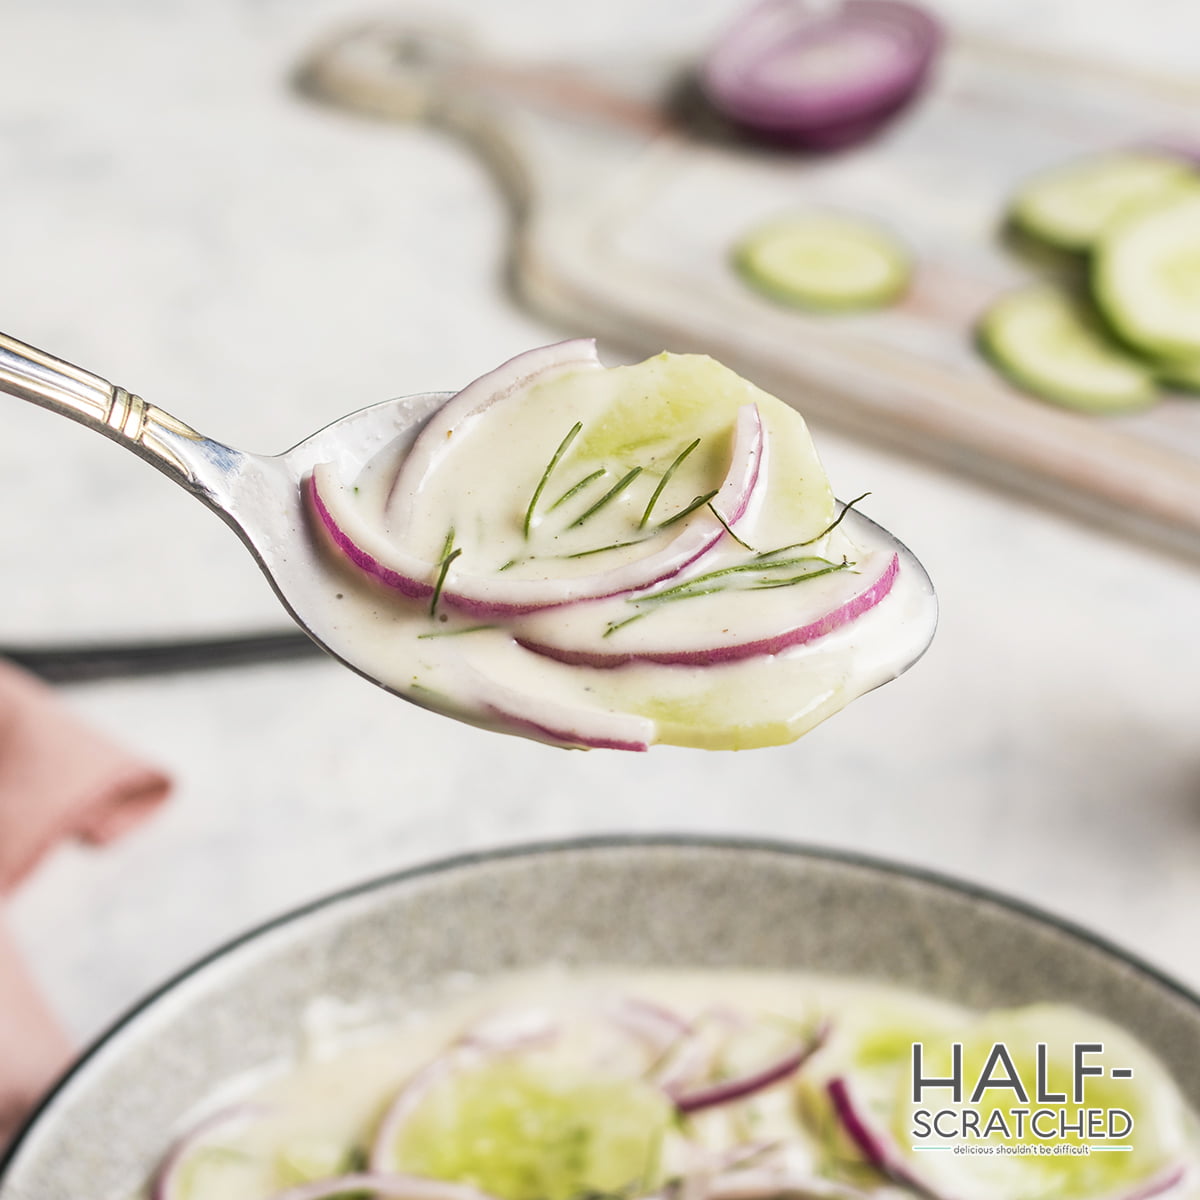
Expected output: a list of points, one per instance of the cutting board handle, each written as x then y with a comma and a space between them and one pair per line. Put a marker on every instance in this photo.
407, 70
550, 135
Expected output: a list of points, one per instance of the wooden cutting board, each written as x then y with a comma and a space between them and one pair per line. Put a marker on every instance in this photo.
625, 210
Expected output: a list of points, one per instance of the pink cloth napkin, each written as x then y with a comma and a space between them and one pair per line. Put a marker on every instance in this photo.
59, 779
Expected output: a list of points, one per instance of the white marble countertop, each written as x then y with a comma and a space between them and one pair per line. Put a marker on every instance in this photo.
174, 217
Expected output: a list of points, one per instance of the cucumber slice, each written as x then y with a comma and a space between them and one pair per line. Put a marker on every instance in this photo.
1071, 206
534, 1131
1182, 376
1146, 277
1048, 344
307, 1159
824, 261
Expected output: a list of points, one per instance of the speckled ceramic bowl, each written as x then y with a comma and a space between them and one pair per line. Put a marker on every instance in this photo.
641, 902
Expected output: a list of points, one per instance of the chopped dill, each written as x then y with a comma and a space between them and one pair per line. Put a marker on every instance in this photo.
690, 594
698, 502
576, 488
604, 549
611, 494
712, 582
728, 530
844, 565
563, 447
739, 569
613, 626
656, 599
512, 562
662, 483
447, 559
824, 532
837, 520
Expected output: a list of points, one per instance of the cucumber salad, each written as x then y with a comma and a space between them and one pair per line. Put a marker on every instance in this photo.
700, 1085
616, 557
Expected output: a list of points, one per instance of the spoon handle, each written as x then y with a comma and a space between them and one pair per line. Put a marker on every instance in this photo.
161, 439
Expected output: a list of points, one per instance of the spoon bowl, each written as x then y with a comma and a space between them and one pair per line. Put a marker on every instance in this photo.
262, 498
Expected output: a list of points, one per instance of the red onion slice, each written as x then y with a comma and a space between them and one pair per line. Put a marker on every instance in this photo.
500, 1034
861, 600
562, 724
790, 69
377, 556
696, 1053
509, 379
653, 1024
168, 1179
384, 1186
729, 1090
877, 1146
1172, 1179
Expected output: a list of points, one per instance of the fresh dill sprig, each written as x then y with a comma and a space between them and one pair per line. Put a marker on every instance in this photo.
824, 532
441, 633
662, 483
576, 488
563, 447
613, 626
614, 491
655, 600
728, 530
698, 502
691, 589
604, 549
447, 559
739, 569
844, 565
836, 520
680, 594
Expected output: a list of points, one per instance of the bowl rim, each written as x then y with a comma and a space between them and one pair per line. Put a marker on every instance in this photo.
592, 842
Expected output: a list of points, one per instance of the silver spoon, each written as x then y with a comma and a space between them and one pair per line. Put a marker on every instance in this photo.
258, 496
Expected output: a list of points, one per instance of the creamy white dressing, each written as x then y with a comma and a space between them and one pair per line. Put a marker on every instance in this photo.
321, 1111
328, 1100
467, 486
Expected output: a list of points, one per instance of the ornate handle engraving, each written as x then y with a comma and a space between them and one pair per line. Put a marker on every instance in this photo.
155, 435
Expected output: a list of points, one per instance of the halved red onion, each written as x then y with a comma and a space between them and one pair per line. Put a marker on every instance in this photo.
729, 1090
383, 1185
379, 557
820, 76
861, 601
167, 1182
